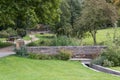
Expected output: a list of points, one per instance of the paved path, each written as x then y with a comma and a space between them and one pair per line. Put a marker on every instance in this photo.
9, 50
6, 51
83, 60
33, 38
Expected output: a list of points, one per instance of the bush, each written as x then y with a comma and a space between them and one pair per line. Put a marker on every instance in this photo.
62, 55
99, 60
108, 63
21, 32
22, 51
63, 41
4, 44
40, 56
110, 57
8, 32
113, 54
32, 44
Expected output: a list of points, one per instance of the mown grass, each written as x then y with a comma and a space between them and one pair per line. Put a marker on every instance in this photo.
102, 36
116, 68
2, 39
27, 37
17, 68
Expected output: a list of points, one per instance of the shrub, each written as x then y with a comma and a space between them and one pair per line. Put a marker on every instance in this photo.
32, 44
22, 51
110, 57
99, 60
113, 54
5, 44
108, 63
63, 41
64, 55
8, 32
21, 32
40, 56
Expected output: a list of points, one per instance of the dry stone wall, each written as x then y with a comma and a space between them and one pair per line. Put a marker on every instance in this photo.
82, 51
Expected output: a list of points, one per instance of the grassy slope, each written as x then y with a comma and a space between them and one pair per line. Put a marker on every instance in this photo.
16, 68
116, 68
102, 35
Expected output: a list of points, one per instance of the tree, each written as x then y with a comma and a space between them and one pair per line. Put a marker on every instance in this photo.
95, 14
70, 11
27, 13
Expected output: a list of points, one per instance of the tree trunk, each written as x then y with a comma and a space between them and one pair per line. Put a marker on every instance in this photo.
93, 33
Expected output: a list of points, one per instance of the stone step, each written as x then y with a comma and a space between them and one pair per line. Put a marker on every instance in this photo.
83, 60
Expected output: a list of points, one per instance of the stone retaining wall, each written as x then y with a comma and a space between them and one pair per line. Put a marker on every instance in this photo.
104, 69
75, 50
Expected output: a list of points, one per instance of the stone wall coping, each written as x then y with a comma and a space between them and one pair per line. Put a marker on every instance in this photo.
105, 69
66, 46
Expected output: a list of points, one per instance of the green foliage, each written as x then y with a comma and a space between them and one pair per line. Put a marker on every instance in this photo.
64, 55
71, 9
40, 56
113, 55
5, 44
108, 63
52, 40
22, 51
8, 32
27, 37
27, 13
21, 32
99, 60
96, 14
32, 44
110, 57
63, 41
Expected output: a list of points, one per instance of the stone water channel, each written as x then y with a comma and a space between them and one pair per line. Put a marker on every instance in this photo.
87, 63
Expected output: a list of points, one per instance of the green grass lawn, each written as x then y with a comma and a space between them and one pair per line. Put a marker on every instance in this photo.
17, 68
2, 39
27, 37
103, 35
116, 68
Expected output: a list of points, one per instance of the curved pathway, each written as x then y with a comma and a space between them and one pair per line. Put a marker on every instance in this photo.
7, 51
33, 38
10, 50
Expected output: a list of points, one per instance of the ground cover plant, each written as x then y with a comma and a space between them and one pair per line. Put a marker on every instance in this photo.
17, 68
5, 44
53, 40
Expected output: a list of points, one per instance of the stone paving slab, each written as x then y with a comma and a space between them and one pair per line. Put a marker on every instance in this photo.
3, 54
